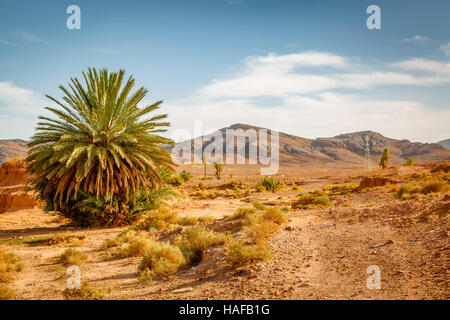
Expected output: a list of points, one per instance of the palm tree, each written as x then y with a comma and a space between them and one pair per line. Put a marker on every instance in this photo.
101, 143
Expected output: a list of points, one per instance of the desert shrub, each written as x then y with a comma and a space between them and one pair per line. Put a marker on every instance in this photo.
219, 168
6, 293
86, 292
259, 188
186, 176
285, 209
207, 178
409, 162
9, 264
431, 187
259, 233
274, 215
160, 259
188, 221
195, 240
322, 201
206, 219
205, 194
310, 200
128, 244
159, 219
261, 226
303, 200
302, 207
319, 193
243, 212
258, 205
407, 191
192, 221
239, 254
342, 188
270, 184
73, 257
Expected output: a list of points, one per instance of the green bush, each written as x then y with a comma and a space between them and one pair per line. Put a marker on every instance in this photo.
186, 176
322, 201
270, 184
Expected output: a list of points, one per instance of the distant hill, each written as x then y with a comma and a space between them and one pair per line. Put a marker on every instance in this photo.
342, 150
345, 149
12, 148
445, 143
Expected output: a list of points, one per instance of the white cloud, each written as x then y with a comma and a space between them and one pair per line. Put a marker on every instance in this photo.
446, 49
19, 109
301, 94
306, 98
275, 75
325, 115
419, 64
416, 39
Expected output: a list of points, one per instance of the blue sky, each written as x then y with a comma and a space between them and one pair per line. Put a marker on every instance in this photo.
310, 68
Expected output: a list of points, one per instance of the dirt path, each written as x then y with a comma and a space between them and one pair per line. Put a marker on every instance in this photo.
319, 254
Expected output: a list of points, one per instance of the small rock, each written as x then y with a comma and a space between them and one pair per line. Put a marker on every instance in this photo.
181, 290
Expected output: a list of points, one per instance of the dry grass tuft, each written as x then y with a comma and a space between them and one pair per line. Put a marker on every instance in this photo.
86, 292
242, 213
73, 257
9, 264
310, 200
434, 187
160, 259
159, 219
6, 293
197, 239
240, 254
128, 244
259, 228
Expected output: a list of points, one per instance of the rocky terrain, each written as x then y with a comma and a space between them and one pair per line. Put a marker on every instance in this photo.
320, 253
342, 150
13, 196
11, 149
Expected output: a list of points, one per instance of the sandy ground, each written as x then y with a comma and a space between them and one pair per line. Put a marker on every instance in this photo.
318, 254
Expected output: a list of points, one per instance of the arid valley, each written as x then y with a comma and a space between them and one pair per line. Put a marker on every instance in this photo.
339, 221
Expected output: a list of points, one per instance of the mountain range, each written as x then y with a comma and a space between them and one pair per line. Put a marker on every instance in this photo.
445, 143
344, 149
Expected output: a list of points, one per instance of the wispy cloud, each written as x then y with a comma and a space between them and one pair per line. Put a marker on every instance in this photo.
419, 64
416, 39
5, 42
446, 49
309, 72
33, 38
